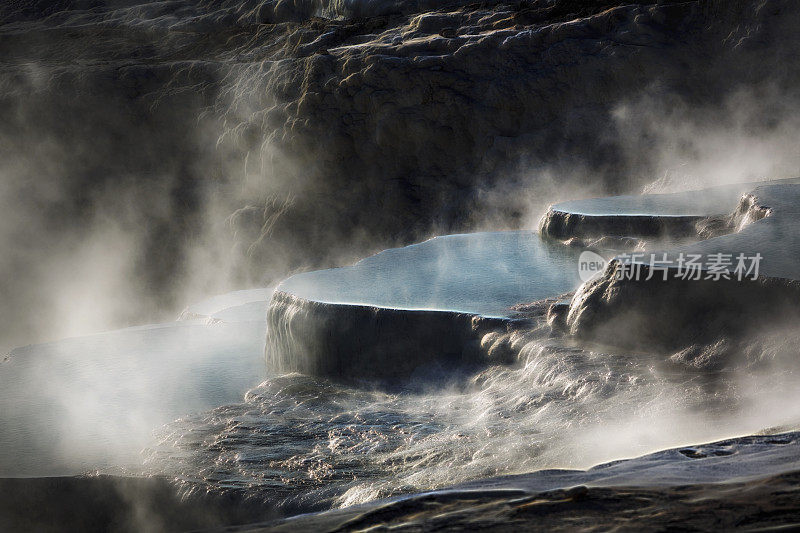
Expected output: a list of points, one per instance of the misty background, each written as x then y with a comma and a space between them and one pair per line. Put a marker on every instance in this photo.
155, 153
152, 154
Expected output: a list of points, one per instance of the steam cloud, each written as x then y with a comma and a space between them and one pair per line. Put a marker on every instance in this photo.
149, 158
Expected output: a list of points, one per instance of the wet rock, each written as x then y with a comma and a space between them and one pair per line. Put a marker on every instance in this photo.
557, 316
717, 486
564, 225
355, 342
714, 226
624, 219
501, 351
688, 316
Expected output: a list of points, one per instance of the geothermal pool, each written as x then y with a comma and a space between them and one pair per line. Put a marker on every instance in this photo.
478, 273
194, 401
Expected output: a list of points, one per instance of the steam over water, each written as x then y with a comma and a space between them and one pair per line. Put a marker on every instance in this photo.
154, 153
311, 443
304, 443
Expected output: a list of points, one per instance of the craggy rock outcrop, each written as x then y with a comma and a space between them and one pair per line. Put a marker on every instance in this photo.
435, 103
676, 313
673, 313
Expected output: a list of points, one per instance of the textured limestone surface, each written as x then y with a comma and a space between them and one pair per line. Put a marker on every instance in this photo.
653, 299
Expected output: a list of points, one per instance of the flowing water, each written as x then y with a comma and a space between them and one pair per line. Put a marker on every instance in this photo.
310, 443
191, 400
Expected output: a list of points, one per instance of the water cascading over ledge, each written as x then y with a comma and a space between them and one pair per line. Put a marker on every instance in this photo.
355, 341
413, 311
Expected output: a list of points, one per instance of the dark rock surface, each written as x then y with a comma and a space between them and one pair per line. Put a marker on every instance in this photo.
761, 505
672, 215
119, 504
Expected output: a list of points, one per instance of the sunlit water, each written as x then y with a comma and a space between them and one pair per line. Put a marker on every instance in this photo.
478, 273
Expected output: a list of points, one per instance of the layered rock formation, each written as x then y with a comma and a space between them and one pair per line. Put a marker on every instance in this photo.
415, 311
396, 311
655, 216
663, 306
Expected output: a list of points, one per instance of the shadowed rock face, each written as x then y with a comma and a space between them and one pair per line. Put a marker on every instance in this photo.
356, 342
439, 102
377, 127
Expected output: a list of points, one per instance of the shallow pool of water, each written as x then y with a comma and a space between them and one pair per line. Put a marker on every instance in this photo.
477, 273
